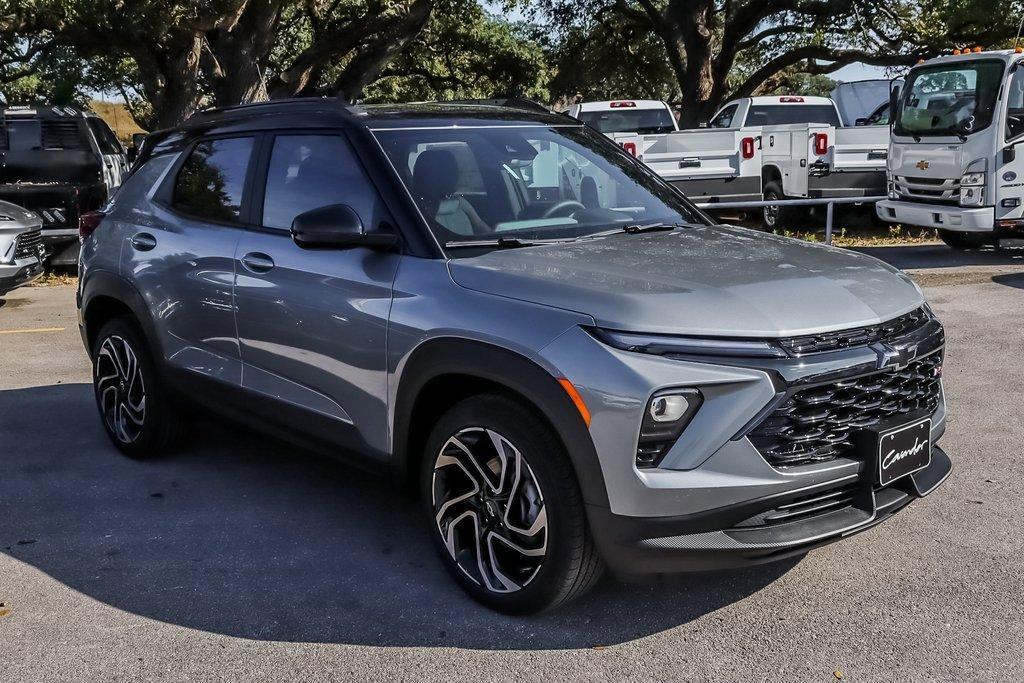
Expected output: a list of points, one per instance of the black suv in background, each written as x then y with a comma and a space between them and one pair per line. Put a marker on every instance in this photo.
58, 162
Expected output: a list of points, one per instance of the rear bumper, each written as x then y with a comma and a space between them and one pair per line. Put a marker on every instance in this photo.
726, 537
19, 273
937, 216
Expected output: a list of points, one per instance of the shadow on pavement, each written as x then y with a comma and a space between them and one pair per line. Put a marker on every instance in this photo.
247, 537
941, 256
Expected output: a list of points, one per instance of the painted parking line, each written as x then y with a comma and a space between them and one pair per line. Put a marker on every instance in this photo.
34, 330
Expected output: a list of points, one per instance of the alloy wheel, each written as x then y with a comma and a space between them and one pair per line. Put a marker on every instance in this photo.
120, 389
489, 510
771, 212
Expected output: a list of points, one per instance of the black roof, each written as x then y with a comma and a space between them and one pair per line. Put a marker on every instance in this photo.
325, 111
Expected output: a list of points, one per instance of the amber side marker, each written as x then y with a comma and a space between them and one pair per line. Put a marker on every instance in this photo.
576, 399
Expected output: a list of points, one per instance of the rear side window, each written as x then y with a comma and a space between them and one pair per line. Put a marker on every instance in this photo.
307, 172
211, 181
724, 118
104, 136
778, 114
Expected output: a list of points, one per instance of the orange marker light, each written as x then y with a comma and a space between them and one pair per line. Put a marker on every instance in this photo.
1018, 49
576, 399
977, 49
955, 52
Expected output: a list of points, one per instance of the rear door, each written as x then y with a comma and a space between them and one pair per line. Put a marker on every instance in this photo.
180, 255
312, 323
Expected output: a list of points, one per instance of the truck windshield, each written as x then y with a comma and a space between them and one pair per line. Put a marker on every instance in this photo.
642, 121
949, 99
530, 183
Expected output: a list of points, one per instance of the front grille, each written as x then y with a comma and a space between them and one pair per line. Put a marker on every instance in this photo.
818, 423
858, 336
27, 245
928, 190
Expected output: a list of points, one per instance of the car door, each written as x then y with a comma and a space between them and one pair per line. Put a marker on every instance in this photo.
180, 254
312, 323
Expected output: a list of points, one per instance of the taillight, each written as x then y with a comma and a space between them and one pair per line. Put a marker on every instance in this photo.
791, 99
821, 144
630, 147
747, 148
88, 222
621, 104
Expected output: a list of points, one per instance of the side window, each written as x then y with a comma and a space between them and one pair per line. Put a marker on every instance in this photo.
210, 182
1015, 105
723, 119
307, 172
104, 136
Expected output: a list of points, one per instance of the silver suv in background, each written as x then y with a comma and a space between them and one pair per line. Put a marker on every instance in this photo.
21, 247
573, 366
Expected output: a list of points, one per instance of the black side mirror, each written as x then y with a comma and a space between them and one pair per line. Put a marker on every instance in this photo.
339, 226
132, 154
1009, 153
861, 122
894, 101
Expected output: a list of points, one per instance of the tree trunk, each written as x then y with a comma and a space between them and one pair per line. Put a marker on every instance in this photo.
170, 81
236, 55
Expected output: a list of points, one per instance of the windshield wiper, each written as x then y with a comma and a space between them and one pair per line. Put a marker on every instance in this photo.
501, 243
637, 228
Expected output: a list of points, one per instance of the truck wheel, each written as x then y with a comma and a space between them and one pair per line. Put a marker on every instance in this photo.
963, 240
781, 217
504, 508
139, 415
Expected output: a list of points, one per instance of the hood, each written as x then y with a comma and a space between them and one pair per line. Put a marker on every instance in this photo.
712, 281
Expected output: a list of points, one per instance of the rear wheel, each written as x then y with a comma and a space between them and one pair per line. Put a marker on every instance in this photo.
138, 414
780, 217
506, 514
963, 240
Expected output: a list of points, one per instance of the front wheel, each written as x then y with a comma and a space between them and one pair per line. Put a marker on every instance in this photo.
506, 514
963, 240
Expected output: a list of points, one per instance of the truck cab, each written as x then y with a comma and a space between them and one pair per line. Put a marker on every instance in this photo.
58, 162
953, 163
644, 117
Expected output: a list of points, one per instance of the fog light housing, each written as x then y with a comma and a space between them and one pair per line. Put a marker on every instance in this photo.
665, 417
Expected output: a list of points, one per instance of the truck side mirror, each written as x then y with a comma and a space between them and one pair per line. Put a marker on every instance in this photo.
894, 100
861, 122
1009, 153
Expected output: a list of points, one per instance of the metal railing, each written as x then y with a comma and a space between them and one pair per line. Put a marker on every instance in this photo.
828, 202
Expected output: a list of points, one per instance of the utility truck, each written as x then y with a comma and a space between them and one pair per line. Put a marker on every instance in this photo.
645, 117
769, 148
953, 160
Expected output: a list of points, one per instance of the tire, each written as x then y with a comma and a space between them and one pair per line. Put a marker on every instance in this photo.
963, 240
541, 513
137, 412
781, 217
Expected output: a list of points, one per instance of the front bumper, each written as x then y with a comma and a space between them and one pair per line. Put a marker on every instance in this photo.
941, 216
729, 536
19, 273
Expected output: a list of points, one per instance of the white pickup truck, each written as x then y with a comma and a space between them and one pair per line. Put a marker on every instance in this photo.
773, 147
645, 117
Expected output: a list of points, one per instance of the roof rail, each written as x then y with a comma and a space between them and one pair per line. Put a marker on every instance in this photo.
258, 106
513, 102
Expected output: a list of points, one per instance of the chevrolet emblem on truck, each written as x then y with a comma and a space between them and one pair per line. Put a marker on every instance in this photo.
923, 165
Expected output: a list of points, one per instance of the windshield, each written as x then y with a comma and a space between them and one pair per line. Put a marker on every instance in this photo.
950, 99
527, 183
779, 114
642, 121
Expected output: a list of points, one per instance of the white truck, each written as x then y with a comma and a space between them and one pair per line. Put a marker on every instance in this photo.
773, 147
645, 117
953, 163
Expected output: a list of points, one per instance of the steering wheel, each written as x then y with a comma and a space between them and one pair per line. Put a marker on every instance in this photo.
562, 206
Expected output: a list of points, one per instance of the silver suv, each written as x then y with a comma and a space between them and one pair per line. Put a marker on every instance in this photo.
572, 365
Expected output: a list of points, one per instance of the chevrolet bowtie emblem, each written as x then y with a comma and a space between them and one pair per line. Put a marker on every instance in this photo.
923, 165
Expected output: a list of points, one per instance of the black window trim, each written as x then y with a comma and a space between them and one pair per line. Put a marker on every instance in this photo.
165, 195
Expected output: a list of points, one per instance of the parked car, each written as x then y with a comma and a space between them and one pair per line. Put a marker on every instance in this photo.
58, 162
21, 247
644, 117
569, 378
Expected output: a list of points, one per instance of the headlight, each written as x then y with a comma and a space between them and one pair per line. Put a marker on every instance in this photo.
663, 344
971, 196
972, 180
665, 417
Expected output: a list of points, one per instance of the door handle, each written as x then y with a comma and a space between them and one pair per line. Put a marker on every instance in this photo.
143, 241
256, 262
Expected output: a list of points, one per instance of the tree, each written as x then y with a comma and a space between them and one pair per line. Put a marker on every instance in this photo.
707, 42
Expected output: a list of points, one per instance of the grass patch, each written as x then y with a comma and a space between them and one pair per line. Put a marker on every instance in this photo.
56, 279
896, 235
